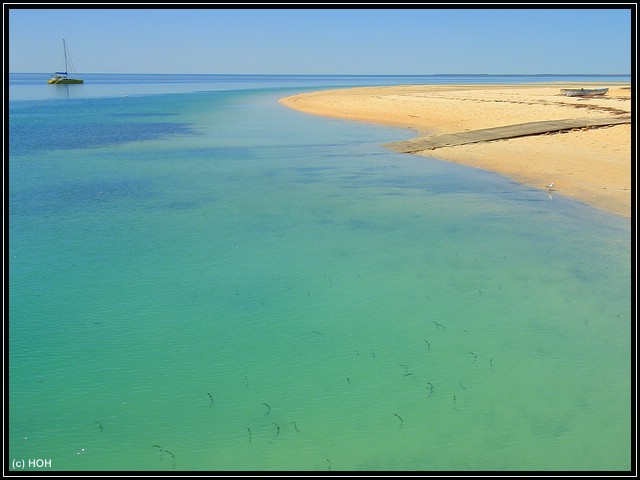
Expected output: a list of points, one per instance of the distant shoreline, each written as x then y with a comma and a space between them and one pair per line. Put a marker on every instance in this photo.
591, 165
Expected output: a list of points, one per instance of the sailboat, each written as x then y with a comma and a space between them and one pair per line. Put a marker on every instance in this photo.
61, 78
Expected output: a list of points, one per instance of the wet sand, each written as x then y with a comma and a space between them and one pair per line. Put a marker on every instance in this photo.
591, 164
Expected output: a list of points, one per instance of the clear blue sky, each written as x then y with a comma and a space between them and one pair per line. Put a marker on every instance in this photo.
368, 41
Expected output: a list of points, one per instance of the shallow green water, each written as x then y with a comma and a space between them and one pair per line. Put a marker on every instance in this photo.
250, 288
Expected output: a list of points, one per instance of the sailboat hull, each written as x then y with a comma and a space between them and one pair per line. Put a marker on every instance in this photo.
64, 81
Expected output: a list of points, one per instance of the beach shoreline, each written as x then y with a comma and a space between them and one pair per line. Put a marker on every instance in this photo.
589, 164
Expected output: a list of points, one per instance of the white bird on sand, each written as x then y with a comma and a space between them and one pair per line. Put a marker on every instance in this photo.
550, 186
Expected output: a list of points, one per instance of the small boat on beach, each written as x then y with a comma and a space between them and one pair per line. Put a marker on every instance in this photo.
62, 78
584, 92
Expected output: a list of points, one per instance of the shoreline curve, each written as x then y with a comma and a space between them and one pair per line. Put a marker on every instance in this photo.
588, 163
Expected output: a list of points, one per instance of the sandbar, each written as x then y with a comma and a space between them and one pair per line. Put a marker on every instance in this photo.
590, 164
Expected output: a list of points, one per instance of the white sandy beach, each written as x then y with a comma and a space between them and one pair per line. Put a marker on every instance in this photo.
591, 165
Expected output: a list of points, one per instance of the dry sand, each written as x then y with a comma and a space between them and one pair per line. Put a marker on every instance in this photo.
591, 165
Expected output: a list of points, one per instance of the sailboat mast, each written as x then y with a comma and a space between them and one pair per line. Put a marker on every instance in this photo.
64, 47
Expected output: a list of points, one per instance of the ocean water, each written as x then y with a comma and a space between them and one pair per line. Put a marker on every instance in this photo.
201, 279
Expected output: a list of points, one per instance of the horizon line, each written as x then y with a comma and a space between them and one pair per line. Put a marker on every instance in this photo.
351, 74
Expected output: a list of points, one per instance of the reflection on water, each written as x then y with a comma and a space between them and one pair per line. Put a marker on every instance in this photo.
64, 91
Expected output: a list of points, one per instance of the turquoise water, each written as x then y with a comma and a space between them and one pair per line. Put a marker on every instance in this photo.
203, 280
